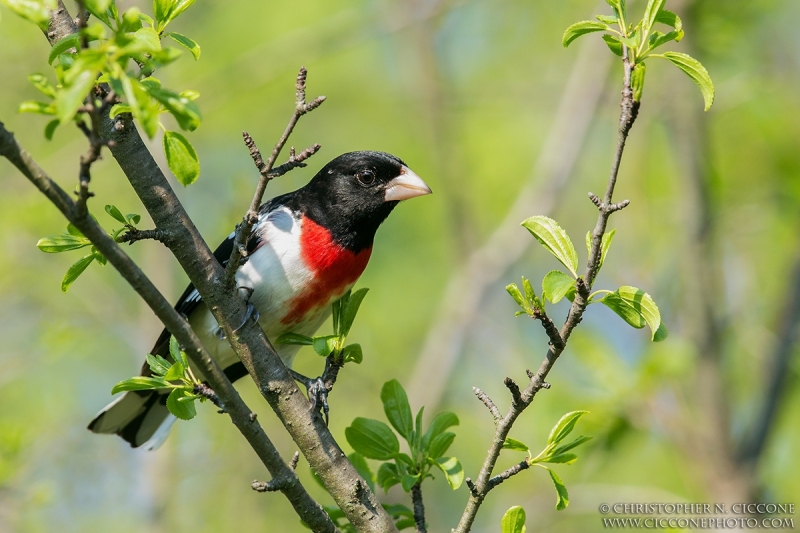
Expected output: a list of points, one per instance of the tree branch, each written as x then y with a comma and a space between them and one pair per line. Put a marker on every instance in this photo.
229, 398
419, 508
521, 400
308, 430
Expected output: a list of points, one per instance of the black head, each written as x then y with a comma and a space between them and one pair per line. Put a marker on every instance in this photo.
354, 193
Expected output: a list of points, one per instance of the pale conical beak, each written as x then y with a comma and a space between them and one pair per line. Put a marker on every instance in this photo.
406, 185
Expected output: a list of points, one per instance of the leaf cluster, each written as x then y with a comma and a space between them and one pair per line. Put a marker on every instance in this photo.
641, 40
119, 52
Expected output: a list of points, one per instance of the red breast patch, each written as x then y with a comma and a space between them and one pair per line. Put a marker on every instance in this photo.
333, 268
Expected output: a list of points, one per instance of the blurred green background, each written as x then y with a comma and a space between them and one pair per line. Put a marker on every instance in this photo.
482, 101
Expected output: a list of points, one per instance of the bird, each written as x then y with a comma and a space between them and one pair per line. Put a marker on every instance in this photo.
307, 249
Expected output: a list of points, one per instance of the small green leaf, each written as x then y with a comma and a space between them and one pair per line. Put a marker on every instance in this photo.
581, 28
513, 521
158, 365
564, 458
32, 106
108, 14
388, 476
372, 439
181, 158
633, 40
99, 257
556, 285
564, 426
395, 405
514, 444
350, 309
133, 219
574, 444
175, 372
554, 239
657, 38
441, 443
661, 333
184, 110
562, 496
175, 352
515, 293
63, 45
352, 352
651, 14
325, 345
115, 213
440, 423
139, 383
417, 444
637, 81
635, 306
696, 72
43, 85
31, 10
167, 10
618, 5
50, 129
361, 466
605, 244
529, 292
72, 230
452, 469
408, 481
190, 94
54, 244
76, 270
614, 44
186, 42
96, 6
294, 338
71, 97
180, 403
670, 19
606, 19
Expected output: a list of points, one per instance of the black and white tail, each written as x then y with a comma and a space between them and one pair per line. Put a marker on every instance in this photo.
139, 417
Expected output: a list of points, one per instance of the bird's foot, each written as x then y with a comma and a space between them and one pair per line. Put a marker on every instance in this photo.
317, 393
251, 312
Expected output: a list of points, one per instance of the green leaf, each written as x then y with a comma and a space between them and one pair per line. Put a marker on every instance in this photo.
115, 213
556, 285
108, 14
452, 469
670, 19
32, 106
133, 219
64, 44
574, 444
695, 71
529, 292
76, 270
352, 352
633, 40
657, 38
514, 444
441, 443
294, 338
417, 445
72, 230
555, 239
440, 423
167, 10
562, 496
564, 426
515, 293
350, 309
581, 28
175, 352
96, 6
635, 306
606, 19
31, 10
50, 129
395, 405
175, 372
186, 42
190, 94
372, 439
661, 333
388, 476
605, 244
614, 44
181, 158
361, 466
139, 383
145, 40
71, 97
158, 365
100, 257
513, 521
182, 108
325, 345
637, 80
43, 85
650, 14
618, 5
564, 458
180, 403
62, 243
408, 481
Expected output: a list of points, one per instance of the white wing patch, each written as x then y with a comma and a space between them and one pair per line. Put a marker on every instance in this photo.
194, 296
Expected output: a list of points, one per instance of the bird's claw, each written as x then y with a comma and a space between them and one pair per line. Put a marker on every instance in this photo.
317, 392
251, 312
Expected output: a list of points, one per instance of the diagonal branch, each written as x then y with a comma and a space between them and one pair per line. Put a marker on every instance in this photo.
522, 399
229, 400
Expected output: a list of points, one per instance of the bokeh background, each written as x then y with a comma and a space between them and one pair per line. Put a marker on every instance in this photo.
482, 101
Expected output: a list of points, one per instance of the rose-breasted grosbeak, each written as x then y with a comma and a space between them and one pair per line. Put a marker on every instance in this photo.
307, 249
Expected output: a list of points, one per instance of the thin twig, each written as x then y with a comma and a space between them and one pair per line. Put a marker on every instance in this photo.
202, 389
507, 473
244, 229
482, 396
276, 484
521, 400
135, 234
419, 508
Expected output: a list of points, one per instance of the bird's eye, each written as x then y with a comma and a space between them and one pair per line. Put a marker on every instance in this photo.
366, 177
